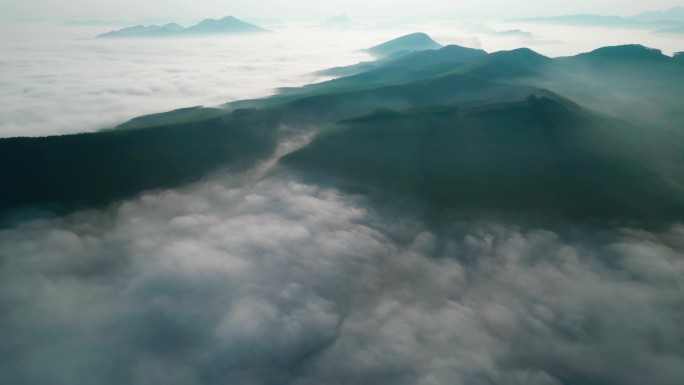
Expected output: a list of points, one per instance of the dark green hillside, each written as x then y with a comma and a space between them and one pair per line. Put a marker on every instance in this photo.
96, 168
449, 53
632, 82
542, 154
457, 90
411, 68
630, 54
181, 115
151, 152
433, 66
521, 62
617, 80
678, 57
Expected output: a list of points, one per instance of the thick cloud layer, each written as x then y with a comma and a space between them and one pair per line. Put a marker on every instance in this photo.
51, 83
276, 281
64, 86
265, 278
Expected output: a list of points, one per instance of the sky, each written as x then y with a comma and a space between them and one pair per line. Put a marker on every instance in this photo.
313, 9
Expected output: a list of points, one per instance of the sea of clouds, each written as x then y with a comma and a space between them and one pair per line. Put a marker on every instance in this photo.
57, 80
275, 280
269, 278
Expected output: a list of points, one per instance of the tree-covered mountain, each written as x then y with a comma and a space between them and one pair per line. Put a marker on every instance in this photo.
455, 126
544, 155
68, 172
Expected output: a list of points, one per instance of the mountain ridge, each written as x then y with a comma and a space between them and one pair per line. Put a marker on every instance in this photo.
418, 41
225, 25
519, 96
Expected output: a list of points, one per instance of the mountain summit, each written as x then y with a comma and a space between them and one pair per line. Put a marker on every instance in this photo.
418, 41
228, 24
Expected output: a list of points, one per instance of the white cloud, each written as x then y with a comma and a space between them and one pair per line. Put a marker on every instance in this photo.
57, 86
279, 281
266, 278
50, 85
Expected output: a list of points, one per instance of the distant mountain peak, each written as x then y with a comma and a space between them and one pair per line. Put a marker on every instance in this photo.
627, 51
524, 53
340, 20
418, 41
228, 24
225, 25
173, 26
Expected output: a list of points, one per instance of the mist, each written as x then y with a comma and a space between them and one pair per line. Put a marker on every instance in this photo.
274, 275
52, 81
271, 279
68, 86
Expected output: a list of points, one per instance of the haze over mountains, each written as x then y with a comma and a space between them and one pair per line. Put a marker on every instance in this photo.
672, 18
443, 214
226, 25
488, 88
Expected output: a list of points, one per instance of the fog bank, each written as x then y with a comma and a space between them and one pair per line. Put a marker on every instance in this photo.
277, 281
51, 83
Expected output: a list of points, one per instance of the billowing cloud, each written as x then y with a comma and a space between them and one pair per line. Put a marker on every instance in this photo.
277, 281
51, 85
270, 278
55, 86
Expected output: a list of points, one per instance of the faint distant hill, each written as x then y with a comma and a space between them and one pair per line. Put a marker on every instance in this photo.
227, 25
339, 21
676, 14
673, 30
407, 57
590, 20
409, 43
454, 128
94, 23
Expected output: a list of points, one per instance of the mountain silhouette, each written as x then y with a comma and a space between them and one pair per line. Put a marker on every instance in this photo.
226, 25
595, 135
405, 44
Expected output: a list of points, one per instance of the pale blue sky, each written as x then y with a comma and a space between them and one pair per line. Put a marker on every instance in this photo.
313, 9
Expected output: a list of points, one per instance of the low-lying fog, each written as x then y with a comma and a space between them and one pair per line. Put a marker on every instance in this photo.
267, 278
279, 281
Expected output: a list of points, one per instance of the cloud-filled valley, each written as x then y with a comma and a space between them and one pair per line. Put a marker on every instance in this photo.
51, 82
85, 85
281, 281
250, 269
